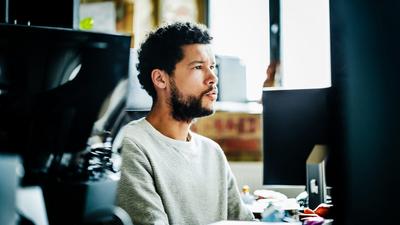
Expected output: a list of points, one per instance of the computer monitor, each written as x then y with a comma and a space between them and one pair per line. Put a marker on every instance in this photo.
54, 85
294, 121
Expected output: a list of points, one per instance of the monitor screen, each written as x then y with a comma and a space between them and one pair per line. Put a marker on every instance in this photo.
54, 84
294, 120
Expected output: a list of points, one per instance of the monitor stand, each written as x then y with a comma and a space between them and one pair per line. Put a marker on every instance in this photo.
316, 182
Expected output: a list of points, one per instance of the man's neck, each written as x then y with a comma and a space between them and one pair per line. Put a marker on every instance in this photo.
167, 125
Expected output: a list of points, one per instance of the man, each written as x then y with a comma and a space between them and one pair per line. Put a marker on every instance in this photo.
171, 175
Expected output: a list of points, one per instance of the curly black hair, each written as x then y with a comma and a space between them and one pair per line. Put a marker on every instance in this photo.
162, 49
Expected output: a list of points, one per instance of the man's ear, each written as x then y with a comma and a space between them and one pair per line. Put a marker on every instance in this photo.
159, 78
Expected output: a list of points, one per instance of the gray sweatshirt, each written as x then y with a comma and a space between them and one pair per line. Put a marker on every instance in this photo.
166, 181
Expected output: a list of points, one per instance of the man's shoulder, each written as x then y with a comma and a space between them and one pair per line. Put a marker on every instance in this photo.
205, 140
135, 124
134, 129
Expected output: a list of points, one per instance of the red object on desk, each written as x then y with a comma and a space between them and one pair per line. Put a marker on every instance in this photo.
321, 210
316, 216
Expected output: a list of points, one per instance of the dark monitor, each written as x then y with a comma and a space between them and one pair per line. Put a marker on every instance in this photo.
294, 121
54, 84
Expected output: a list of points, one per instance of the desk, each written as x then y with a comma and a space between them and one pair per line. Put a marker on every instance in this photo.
230, 222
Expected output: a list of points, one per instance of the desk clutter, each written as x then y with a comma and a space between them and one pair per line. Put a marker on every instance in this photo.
273, 206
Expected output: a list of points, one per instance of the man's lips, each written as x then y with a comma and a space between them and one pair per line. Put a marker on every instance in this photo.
212, 94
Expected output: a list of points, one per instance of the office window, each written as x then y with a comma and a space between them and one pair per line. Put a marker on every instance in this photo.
305, 43
240, 28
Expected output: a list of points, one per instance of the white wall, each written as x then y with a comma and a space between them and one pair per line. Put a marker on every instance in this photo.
248, 173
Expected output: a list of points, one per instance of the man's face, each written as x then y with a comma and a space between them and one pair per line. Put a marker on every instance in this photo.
193, 89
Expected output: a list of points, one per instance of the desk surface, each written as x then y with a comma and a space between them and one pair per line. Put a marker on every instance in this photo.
229, 222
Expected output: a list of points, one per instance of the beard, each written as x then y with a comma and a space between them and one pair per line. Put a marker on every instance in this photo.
187, 108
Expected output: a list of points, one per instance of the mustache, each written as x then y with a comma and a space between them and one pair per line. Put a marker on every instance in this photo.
208, 90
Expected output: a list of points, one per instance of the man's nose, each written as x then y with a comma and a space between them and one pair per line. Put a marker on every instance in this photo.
212, 77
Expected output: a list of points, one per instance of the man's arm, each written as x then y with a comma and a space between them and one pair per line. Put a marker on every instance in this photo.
136, 191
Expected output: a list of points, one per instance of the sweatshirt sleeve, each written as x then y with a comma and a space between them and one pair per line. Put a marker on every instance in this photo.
136, 191
237, 210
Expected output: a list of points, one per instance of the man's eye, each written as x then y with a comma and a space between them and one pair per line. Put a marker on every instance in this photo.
212, 67
198, 67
